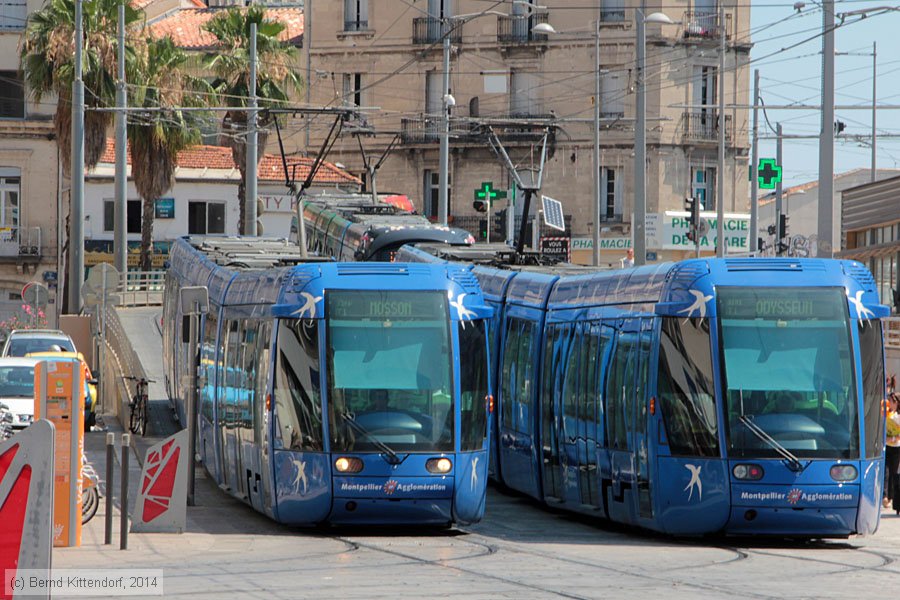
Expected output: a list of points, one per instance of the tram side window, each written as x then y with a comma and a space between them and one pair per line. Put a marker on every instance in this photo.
525, 378
871, 349
570, 391
685, 387
229, 382
298, 406
620, 386
249, 361
262, 380
473, 385
508, 374
208, 365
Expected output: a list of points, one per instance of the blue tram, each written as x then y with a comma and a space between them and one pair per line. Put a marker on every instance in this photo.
738, 396
332, 392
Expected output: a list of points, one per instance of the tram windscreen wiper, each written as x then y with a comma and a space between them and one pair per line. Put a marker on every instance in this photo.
394, 459
793, 462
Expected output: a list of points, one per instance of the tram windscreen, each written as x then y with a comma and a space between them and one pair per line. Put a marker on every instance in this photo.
389, 371
788, 367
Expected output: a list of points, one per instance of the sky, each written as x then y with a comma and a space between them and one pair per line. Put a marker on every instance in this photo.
792, 75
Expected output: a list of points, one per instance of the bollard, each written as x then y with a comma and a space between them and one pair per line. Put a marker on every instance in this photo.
123, 525
110, 458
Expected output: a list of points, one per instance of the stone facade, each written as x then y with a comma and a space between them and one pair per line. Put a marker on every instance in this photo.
387, 58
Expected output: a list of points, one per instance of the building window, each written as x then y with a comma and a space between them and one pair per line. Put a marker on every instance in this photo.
612, 96
433, 84
12, 15
10, 192
703, 187
610, 195
133, 219
352, 92
356, 15
440, 9
612, 11
206, 217
432, 194
12, 91
523, 94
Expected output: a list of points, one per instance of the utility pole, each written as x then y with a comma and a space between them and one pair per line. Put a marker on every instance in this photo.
825, 221
250, 194
720, 175
445, 129
120, 206
595, 158
779, 206
874, 104
754, 165
638, 227
76, 224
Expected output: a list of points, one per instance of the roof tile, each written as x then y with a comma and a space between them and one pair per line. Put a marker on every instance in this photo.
185, 26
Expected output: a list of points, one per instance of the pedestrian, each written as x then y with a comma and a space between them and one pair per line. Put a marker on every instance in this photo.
628, 261
892, 454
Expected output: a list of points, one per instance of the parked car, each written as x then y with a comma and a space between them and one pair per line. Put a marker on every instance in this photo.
90, 382
17, 389
20, 342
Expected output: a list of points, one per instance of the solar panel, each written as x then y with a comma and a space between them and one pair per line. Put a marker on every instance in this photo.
553, 213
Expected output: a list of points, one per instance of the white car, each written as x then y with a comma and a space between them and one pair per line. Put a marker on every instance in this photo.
17, 389
25, 341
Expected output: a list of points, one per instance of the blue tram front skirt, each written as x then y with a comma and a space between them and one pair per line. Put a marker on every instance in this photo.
800, 510
395, 500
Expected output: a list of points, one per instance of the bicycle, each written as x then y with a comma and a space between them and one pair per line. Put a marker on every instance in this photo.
139, 406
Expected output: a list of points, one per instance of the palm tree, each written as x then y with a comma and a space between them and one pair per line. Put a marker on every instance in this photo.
230, 62
47, 58
157, 137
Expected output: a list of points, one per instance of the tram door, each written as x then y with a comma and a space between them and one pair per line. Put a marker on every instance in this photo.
551, 381
620, 390
642, 416
228, 391
589, 411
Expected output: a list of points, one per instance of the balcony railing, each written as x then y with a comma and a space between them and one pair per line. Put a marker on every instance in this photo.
356, 25
612, 15
425, 129
20, 242
422, 129
703, 126
428, 30
512, 29
704, 25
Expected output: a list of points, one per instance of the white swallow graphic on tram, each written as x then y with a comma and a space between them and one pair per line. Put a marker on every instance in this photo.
309, 305
461, 311
300, 477
699, 303
474, 479
861, 311
695, 481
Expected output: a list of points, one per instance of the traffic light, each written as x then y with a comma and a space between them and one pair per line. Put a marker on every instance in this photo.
693, 207
480, 205
839, 127
482, 228
782, 226
760, 244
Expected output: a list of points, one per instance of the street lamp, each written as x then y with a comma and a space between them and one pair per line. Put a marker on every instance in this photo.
639, 226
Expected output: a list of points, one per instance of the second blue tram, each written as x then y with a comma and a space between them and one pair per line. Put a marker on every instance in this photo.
332, 392
737, 396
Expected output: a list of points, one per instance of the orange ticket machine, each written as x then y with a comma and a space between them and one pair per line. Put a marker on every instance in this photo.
59, 396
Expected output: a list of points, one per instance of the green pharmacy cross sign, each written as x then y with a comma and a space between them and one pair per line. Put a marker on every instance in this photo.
769, 173
488, 194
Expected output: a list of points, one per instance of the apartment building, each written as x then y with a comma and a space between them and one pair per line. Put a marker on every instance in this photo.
386, 58
30, 193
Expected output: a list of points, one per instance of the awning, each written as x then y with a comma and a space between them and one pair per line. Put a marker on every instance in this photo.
867, 252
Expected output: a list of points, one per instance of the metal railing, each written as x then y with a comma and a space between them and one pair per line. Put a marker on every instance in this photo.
356, 25
428, 30
892, 333
20, 241
512, 29
705, 25
142, 288
703, 126
421, 129
121, 360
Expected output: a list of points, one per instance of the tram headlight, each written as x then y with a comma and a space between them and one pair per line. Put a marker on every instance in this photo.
747, 472
438, 465
843, 472
348, 465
